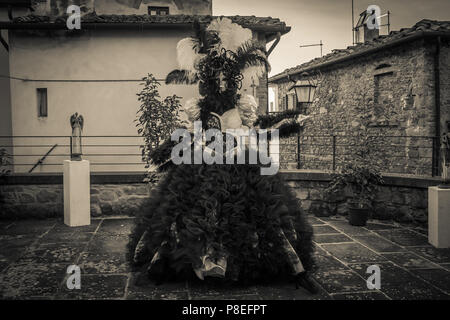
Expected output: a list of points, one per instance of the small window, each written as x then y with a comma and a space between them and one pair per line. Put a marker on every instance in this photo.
158, 11
291, 101
284, 104
42, 102
382, 66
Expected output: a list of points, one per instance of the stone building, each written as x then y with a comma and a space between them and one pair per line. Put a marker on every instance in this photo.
49, 72
395, 87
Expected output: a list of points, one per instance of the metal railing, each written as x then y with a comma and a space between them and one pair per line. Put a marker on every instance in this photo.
105, 153
414, 155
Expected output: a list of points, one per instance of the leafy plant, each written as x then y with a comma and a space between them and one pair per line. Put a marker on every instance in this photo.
361, 164
357, 180
156, 119
5, 161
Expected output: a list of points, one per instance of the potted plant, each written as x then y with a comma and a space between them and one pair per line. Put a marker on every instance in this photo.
359, 182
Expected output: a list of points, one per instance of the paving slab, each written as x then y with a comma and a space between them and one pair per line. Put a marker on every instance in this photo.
287, 291
61, 227
26, 280
117, 226
348, 229
3, 264
24, 227
433, 254
391, 274
108, 243
96, 263
53, 253
324, 229
13, 247
374, 295
378, 243
421, 230
352, 253
97, 287
141, 288
410, 260
66, 237
331, 238
315, 221
439, 278
251, 297
403, 237
325, 261
380, 226
340, 281
200, 288
414, 291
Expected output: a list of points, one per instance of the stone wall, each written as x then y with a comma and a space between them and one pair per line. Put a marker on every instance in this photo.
445, 86
395, 89
401, 199
43, 201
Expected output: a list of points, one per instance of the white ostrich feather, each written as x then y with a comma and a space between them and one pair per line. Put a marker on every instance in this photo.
248, 108
254, 72
187, 54
192, 109
231, 34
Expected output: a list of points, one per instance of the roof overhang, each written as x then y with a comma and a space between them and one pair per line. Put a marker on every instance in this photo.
271, 31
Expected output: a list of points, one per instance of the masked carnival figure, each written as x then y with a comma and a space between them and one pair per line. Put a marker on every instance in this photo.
225, 221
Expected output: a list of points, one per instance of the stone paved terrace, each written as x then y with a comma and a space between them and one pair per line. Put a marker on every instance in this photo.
34, 256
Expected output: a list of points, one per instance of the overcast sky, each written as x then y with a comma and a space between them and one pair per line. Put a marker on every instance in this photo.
326, 20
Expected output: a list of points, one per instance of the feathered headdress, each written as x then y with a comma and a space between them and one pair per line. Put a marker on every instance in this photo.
221, 34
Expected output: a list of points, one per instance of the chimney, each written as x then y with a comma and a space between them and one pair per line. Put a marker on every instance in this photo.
370, 34
362, 30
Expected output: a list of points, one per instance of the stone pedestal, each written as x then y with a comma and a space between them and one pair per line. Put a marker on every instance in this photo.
77, 198
439, 217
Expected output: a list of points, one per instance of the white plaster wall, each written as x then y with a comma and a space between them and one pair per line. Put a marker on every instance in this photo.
109, 108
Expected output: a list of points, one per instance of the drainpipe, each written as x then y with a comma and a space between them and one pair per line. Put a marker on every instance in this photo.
437, 84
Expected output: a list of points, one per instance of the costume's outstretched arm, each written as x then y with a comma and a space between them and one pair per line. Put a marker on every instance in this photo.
288, 122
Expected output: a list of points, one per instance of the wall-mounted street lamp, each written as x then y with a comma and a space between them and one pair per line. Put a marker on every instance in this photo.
305, 91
